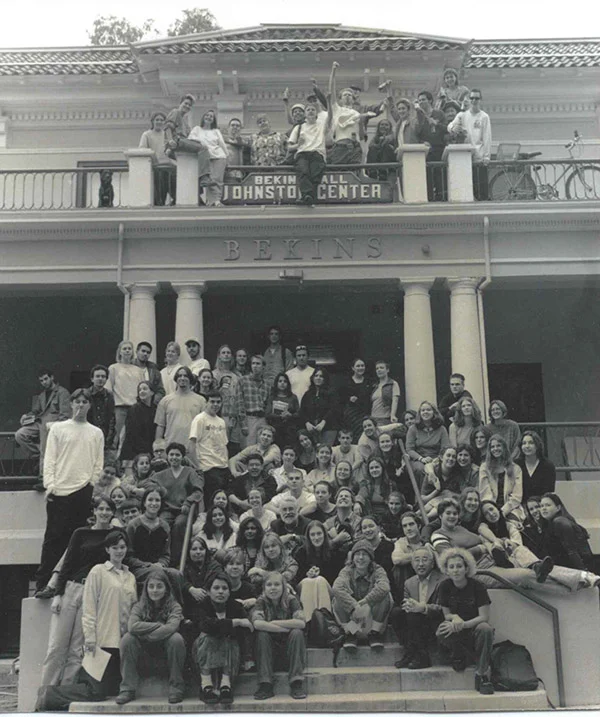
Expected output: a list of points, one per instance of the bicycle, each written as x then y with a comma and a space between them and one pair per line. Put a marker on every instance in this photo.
514, 181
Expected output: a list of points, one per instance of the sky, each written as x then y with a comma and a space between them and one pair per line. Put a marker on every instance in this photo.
66, 22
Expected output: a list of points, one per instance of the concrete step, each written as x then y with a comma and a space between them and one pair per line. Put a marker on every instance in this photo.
452, 701
362, 657
343, 680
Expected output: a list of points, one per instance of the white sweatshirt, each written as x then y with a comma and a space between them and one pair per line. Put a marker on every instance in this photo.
479, 132
74, 456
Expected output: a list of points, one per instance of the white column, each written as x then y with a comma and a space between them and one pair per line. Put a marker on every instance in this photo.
464, 335
189, 320
419, 359
142, 315
187, 179
414, 173
140, 183
460, 172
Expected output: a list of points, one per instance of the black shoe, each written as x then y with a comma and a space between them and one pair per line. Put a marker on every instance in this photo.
404, 662
459, 663
543, 569
39, 486
350, 643
420, 662
45, 593
124, 697
297, 690
264, 691
375, 641
208, 695
226, 697
483, 685
175, 697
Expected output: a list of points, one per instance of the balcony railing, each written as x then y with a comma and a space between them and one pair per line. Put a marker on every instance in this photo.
573, 447
529, 180
22, 190
412, 181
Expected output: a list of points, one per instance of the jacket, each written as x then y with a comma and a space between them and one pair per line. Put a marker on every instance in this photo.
513, 490
207, 621
139, 430
319, 407
102, 413
154, 379
411, 590
54, 407
347, 583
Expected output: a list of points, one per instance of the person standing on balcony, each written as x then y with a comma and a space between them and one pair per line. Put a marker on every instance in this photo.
49, 406
72, 464
382, 149
177, 130
150, 369
451, 91
476, 123
268, 147
277, 357
238, 150
208, 134
164, 171
308, 139
435, 136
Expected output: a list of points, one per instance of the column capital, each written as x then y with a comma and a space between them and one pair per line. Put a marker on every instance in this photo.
457, 149
418, 285
464, 285
143, 289
190, 290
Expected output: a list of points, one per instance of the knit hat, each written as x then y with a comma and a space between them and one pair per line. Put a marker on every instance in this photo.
363, 545
299, 106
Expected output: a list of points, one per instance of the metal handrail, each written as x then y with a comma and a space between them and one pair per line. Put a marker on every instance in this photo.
413, 480
555, 628
188, 535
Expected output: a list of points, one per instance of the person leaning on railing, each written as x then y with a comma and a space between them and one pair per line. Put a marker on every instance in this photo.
164, 172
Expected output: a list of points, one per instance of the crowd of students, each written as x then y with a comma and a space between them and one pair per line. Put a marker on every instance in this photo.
327, 129
298, 498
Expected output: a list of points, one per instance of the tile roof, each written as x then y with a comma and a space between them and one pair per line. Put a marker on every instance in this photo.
68, 61
491, 54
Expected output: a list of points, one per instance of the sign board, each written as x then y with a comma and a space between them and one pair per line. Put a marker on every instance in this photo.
282, 188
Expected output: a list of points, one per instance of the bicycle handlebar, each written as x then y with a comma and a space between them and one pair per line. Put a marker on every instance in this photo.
577, 138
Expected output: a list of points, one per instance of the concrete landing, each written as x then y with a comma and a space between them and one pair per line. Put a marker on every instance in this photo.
452, 701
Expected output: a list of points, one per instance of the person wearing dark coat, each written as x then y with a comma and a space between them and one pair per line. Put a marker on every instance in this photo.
139, 424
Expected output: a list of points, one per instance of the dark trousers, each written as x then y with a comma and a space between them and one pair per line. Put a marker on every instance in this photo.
165, 179
480, 182
420, 631
289, 647
64, 514
476, 641
177, 522
132, 649
310, 167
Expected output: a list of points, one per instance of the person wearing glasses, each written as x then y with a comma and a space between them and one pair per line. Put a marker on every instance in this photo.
476, 124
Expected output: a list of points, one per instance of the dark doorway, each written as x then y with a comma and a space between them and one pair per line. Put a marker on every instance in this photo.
521, 388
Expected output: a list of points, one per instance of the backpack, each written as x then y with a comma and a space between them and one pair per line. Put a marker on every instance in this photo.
512, 668
325, 632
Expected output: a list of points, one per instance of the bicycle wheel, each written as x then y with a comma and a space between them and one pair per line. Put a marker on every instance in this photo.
510, 185
583, 182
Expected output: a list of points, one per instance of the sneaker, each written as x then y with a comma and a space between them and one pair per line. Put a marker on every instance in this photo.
226, 697
375, 641
297, 690
264, 691
208, 695
350, 643
45, 593
175, 697
543, 569
124, 697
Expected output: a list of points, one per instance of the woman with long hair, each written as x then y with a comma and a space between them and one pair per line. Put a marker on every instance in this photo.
153, 629
139, 424
426, 439
218, 532
249, 539
355, 398
141, 476
124, 378
306, 453
225, 365
470, 515
390, 454
396, 507
465, 462
382, 149
344, 478
241, 366
532, 528
282, 410
324, 467
210, 136
272, 555
479, 443
442, 479
539, 474
467, 417
370, 530
205, 383
374, 488
507, 428
318, 410
501, 480
200, 566
566, 539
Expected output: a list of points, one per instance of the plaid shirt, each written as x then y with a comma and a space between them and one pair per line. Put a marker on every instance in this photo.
252, 397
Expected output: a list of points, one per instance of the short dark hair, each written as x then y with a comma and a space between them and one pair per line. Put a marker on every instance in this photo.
103, 498
427, 94
79, 392
114, 536
98, 367
189, 97
214, 394
130, 503
458, 375
143, 343
176, 446
236, 119
476, 90
45, 372
218, 576
255, 457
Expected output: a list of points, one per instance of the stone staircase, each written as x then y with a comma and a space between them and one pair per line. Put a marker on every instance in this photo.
364, 682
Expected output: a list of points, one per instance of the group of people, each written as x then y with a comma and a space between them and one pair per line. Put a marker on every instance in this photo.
230, 504
327, 129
